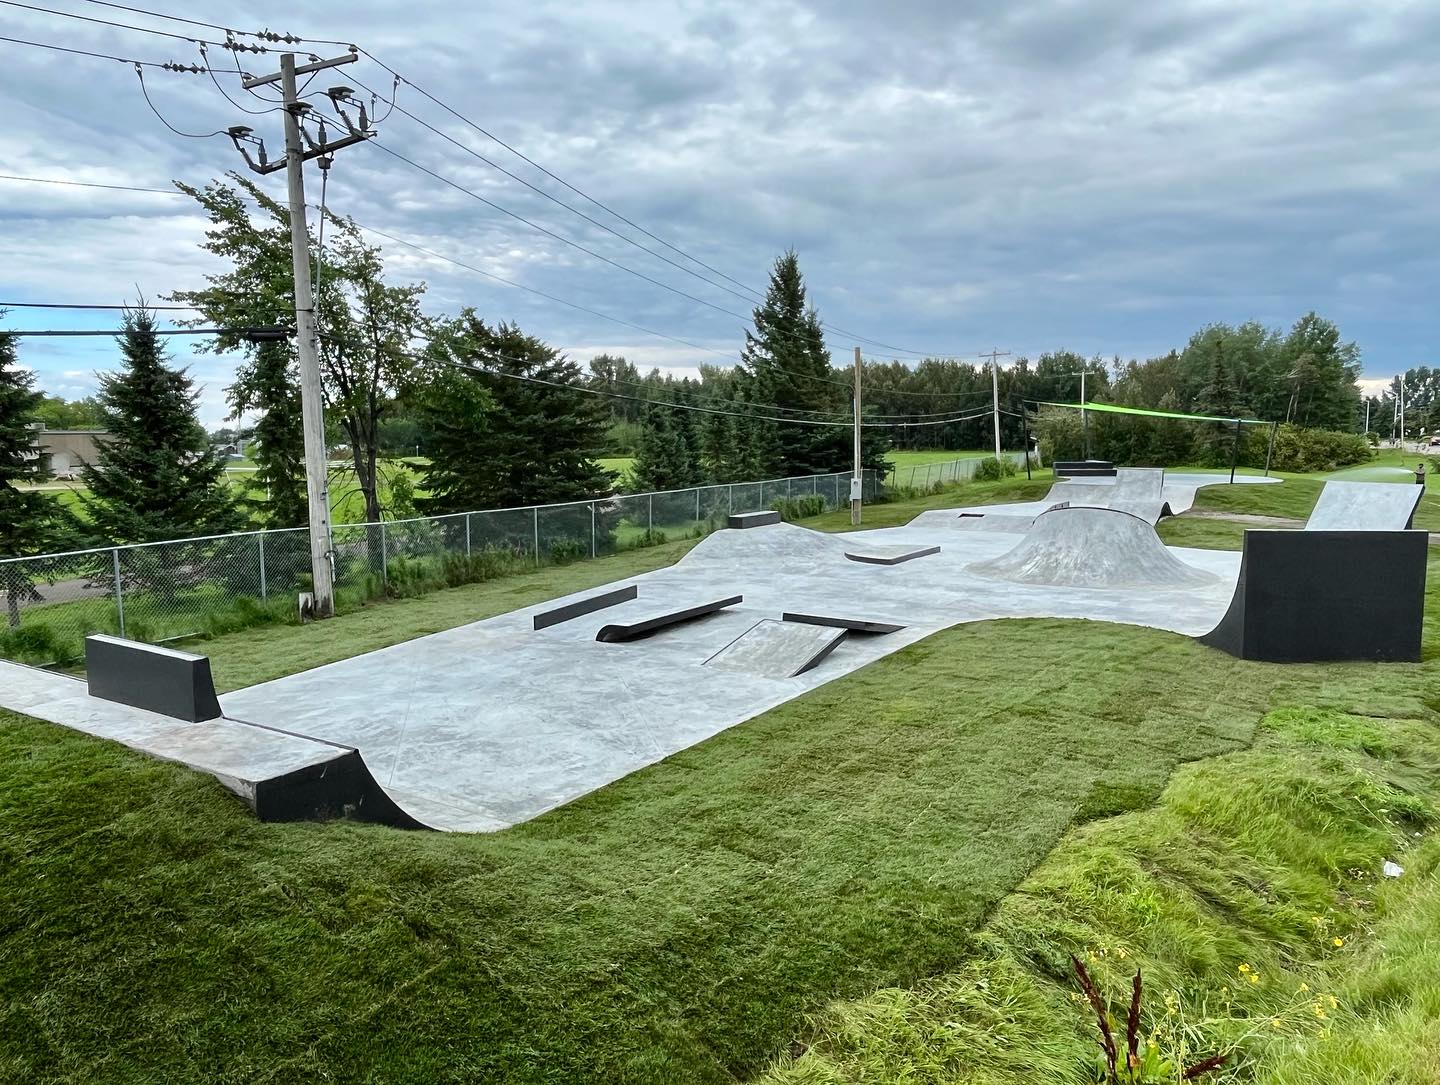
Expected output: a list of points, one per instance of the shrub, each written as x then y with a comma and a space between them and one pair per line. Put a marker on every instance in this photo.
565, 550
991, 469
798, 508
34, 642
1299, 449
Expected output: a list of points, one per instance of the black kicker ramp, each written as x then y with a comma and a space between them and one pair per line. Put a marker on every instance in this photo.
546, 618
162, 680
643, 627
1326, 596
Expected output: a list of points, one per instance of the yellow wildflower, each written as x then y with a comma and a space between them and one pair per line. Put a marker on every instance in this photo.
1244, 968
1338, 941
1304, 986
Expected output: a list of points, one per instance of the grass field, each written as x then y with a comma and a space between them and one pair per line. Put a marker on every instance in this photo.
876, 882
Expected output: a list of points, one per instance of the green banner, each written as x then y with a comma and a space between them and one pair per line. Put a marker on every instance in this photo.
1113, 409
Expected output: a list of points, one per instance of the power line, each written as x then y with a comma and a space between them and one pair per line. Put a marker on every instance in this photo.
168, 66
749, 297
87, 184
123, 26
558, 237
269, 36
77, 305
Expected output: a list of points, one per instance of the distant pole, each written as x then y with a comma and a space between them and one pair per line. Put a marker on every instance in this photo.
1025, 433
995, 392
1367, 418
1084, 419
1402, 413
856, 483
1235, 452
1269, 450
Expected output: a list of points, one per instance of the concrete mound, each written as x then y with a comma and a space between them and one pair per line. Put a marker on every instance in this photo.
1364, 506
1081, 547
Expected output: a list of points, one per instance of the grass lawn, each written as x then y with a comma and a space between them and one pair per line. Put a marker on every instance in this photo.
875, 882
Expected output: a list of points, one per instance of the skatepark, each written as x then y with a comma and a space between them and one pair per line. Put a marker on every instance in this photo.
493, 723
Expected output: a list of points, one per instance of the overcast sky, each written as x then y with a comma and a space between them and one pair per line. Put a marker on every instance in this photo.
1100, 177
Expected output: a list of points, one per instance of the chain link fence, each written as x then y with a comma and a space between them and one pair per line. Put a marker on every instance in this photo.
923, 476
218, 584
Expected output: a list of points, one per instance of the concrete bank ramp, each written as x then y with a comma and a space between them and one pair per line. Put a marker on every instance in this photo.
1364, 506
778, 649
1092, 548
782, 545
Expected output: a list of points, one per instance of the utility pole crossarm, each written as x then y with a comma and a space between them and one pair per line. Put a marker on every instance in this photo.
252, 81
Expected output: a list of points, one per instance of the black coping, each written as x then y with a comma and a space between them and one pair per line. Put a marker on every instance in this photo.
875, 559
1324, 596
547, 618
753, 519
620, 631
162, 680
855, 625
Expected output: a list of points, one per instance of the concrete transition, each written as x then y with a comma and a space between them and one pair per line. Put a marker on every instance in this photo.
659, 619
890, 555
280, 775
546, 618
1299, 598
151, 677
855, 625
1364, 506
778, 649
752, 519
1093, 548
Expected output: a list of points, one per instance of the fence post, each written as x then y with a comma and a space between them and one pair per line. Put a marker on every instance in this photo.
787, 489
264, 584
697, 504
537, 534
650, 520
592, 529
730, 499
467, 534
119, 591
384, 557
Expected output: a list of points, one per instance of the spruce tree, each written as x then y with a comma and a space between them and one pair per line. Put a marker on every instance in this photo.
788, 370
512, 423
156, 476
30, 522
665, 459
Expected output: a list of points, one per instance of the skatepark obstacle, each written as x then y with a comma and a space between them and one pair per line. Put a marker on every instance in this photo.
753, 519
890, 555
545, 619
780, 649
855, 625
1364, 506
1302, 598
1079, 546
147, 676
642, 627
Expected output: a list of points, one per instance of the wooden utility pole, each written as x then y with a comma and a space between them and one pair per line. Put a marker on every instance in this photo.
995, 392
312, 404
857, 480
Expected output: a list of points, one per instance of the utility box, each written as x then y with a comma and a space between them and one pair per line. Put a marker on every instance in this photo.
857, 489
